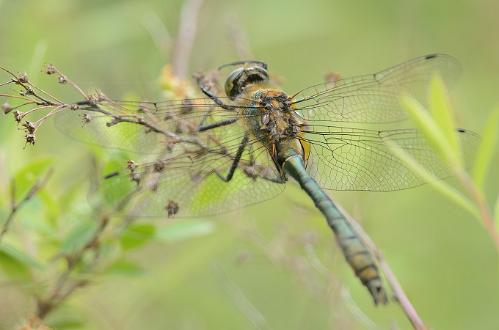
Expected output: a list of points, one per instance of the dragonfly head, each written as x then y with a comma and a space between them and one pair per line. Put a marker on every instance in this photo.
248, 73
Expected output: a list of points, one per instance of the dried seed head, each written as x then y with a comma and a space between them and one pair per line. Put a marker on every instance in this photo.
23, 78
18, 116
29, 127
27, 91
6, 107
30, 138
50, 69
171, 208
86, 118
159, 166
131, 165
62, 79
135, 177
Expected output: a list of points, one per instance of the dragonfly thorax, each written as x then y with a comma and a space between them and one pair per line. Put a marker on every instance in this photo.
272, 120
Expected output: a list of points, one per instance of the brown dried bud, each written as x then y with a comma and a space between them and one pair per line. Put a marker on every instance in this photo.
50, 69
135, 177
29, 127
171, 208
30, 138
159, 166
62, 79
86, 118
18, 116
131, 165
23, 78
6, 107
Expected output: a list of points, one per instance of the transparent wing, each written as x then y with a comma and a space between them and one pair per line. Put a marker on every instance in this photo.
358, 159
140, 127
188, 182
374, 98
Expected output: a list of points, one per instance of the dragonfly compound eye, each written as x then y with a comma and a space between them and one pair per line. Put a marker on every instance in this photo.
241, 77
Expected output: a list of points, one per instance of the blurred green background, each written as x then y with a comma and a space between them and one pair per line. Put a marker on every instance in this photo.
274, 265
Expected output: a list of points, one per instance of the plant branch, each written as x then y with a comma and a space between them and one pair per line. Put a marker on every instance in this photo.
480, 201
15, 206
185, 38
390, 276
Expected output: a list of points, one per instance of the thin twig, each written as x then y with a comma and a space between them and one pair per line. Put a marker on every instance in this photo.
185, 38
480, 201
15, 206
390, 276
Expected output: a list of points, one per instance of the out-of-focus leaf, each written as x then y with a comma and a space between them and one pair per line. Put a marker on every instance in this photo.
15, 263
114, 189
486, 148
442, 114
78, 236
433, 181
137, 235
66, 319
429, 129
184, 229
26, 177
125, 268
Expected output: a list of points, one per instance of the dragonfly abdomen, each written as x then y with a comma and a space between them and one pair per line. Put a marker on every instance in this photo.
354, 249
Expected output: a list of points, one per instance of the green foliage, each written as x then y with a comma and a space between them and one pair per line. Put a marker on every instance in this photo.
16, 264
137, 235
184, 229
27, 176
438, 127
488, 145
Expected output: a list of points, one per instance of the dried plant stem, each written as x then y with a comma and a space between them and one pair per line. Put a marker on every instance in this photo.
392, 280
185, 38
480, 201
15, 206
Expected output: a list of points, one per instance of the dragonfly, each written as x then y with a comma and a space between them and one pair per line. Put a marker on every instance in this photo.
214, 154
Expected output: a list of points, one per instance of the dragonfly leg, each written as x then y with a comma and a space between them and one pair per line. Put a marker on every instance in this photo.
237, 158
206, 91
202, 128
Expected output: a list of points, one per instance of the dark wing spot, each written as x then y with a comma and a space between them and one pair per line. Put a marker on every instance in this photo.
430, 56
461, 130
111, 175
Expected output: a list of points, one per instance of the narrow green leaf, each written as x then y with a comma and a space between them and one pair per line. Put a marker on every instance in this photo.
429, 129
441, 111
78, 236
184, 229
124, 267
486, 148
433, 181
26, 177
137, 235
16, 264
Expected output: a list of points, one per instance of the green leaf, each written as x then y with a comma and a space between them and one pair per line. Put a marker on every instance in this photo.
486, 148
27, 176
78, 237
433, 181
137, 235
125, 268
15, 263
184, 229
442, 114
429, 129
